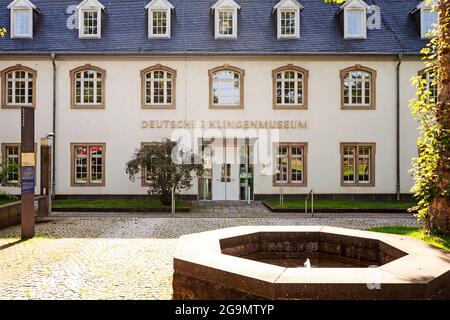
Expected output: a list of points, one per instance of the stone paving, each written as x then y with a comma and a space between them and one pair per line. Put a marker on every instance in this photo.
111, 257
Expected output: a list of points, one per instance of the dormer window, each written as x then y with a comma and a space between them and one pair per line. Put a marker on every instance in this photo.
159, 14
225, 18
21, 18
428, 18
288, 18
355, 19
90, 19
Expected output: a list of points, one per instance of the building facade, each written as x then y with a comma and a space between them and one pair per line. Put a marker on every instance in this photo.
275, 95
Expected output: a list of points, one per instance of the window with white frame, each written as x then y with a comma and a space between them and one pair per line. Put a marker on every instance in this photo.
88, 164
226, 87
290, 87
355, 19
19, 87
358, 88
21, 18
158, 87
358, 164
225, 17
88, 87
11, 161
430, 86
159, 18
429, 17
288, 18
290, 162
90, 19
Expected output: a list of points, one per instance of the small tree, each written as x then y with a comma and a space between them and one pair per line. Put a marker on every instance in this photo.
166, 167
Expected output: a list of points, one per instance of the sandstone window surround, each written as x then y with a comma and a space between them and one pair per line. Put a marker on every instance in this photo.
291, 164
18, 87
358, 88
290, 88
357, 164
158, 87
226, 87
87, 87
88, 164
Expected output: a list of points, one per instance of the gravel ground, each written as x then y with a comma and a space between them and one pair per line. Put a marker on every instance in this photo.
115, 257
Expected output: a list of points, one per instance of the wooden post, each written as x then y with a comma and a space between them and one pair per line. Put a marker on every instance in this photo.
46, 176
28, 163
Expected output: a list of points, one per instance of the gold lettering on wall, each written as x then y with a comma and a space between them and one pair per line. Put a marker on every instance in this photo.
224, 124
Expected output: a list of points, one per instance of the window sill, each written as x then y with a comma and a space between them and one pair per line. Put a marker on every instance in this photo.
230, 107
358, 107
88, 107
158, 106
290, 107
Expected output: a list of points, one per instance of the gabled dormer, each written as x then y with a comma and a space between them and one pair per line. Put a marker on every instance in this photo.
22, 18
90, 19
426, 14
159, 18
355, 19
225, 19
288, 18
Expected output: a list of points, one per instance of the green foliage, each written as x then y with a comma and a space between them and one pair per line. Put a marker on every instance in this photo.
3, 32
159, 164
434, 143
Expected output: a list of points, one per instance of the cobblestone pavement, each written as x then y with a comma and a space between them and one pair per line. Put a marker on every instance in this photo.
119, 257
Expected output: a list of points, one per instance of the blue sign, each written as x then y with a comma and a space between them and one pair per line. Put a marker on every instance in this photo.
27, 180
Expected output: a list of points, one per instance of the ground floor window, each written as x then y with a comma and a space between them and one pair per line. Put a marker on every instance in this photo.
358, 164
290, 164
147, 172
11, 162
88, 164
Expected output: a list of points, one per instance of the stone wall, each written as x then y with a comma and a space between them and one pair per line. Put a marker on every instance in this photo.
10, 213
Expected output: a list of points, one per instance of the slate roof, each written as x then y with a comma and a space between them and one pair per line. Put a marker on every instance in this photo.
124, 30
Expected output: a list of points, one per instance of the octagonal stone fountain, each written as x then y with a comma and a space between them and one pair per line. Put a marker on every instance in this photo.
308, 263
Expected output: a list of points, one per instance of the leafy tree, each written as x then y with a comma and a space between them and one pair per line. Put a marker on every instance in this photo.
166, 166
432, 168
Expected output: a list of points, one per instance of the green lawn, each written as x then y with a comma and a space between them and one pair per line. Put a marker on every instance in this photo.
342, 204
418, 233
118, 204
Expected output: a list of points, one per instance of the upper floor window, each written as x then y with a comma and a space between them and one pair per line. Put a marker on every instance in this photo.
90, 19
358, 164
355, 21
226, 87
290, 88
429, 20
288, 18
159, 18
158, 87
88, 87
18, 87
225, 18
22, 18
358, 88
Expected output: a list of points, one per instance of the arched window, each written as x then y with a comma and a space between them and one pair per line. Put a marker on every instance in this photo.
358, 88
88, 87
290, 88
158, 87
19, 87
226, 87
